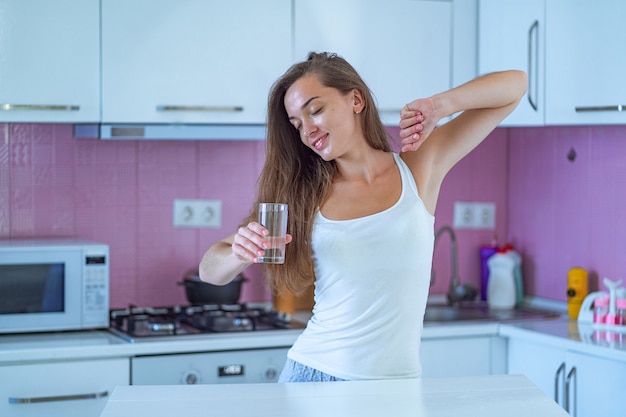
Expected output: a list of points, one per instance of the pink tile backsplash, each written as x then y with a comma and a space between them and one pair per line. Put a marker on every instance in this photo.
558, 213
121, 193
566, 213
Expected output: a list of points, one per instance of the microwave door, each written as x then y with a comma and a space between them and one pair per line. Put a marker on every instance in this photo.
41, 295
32, 288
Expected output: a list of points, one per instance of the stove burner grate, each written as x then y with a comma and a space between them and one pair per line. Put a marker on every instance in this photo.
144, 322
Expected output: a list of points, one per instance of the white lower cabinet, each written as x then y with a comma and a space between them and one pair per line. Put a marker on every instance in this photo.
463, 356
63, 389
584, 385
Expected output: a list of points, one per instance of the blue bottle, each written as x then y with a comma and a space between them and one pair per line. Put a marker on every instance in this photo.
486, 252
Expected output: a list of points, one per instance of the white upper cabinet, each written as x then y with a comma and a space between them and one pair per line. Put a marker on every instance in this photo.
49, 61
401, 48
511, 35
192, 61
572, 50
586, 62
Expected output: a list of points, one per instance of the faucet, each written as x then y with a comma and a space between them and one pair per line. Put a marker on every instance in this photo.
458, 292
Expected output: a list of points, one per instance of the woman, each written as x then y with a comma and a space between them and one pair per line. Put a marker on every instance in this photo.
360, 216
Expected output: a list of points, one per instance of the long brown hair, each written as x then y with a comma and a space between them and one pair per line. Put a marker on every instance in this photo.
296, 175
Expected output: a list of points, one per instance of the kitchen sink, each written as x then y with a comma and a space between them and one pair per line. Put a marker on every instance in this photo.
472, 311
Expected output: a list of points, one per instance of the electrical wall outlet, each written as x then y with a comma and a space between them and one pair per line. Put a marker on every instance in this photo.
485, 215
197, 213
463, 215
474, 215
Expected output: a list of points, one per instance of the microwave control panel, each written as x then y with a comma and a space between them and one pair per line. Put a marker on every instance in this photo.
96, 286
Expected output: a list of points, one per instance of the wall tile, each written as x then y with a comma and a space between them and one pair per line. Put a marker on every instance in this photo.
607, 199
5, 181
64, 145
530, 189
481, 177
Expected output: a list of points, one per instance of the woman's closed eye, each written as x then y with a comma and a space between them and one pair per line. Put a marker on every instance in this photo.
298, 126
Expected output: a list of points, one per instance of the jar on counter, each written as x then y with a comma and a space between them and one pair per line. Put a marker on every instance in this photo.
600, 308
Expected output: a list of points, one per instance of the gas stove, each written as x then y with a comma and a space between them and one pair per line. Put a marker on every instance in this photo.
137, 324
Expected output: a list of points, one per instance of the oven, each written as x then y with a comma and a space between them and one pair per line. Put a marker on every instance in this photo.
206, 328
226, 367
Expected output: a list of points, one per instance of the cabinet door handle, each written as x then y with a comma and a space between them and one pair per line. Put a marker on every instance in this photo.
560, 371
618, 107
199, 108
90, 396
39, 107
571, 380
532, 75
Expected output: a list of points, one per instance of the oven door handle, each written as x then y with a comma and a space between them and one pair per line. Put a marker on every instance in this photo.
89, 396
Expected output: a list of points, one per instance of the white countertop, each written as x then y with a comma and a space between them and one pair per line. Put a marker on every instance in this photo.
59, 345
492, 396
604, 341
92, 344
102, 344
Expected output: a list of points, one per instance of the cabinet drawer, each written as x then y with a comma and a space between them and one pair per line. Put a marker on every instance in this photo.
75, 388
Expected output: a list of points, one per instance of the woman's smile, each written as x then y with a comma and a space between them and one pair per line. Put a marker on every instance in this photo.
318, 143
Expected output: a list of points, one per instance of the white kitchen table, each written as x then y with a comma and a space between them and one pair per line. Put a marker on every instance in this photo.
490, 396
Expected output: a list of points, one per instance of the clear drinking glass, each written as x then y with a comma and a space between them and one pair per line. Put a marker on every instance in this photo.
273, 216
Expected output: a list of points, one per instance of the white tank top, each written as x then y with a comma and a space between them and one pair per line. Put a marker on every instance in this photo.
372, 280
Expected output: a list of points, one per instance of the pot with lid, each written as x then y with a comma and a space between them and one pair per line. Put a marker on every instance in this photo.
199, 292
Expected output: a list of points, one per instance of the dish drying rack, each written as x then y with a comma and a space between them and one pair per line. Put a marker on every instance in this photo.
588, 314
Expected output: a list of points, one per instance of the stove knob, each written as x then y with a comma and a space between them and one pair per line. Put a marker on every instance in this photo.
191, 377
271, 374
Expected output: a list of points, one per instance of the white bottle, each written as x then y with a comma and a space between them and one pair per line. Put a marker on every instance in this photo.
501, 293
517, 276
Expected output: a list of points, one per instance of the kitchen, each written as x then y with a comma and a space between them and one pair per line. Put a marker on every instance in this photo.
121, 191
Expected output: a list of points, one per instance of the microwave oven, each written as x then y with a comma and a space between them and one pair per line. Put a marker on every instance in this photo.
53, 285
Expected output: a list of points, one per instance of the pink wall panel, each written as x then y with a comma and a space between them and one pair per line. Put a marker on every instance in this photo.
121, 193
481, 176
568, 213
558, 213
5, 181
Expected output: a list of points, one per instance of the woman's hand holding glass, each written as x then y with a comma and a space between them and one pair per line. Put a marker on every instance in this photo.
250, 242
